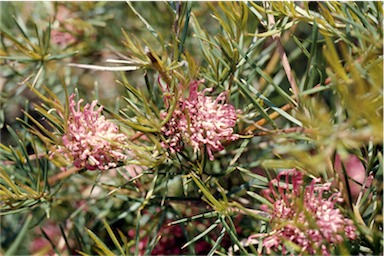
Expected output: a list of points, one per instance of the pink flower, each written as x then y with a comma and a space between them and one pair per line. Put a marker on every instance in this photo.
304, 216
200, 121
91, 141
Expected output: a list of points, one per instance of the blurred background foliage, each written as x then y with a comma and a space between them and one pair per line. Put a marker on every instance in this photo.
307, 77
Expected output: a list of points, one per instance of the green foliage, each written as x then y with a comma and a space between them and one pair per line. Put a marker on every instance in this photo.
307, 81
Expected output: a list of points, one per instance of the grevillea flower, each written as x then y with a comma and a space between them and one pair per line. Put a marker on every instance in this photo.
304, 216
91, 141
200, 121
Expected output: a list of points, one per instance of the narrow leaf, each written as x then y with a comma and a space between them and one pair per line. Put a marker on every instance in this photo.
20, 238
99, 243
113, 237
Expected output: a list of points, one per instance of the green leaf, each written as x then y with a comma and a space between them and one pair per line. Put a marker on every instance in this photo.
149, 27
275, 108
113, 237
232, 234
218, 206
100, 244
185, 29
205, 232
20, 238
196, 217
217, 242
260, 198
262, 112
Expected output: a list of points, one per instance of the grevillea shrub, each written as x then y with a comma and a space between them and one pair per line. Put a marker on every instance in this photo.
191, 128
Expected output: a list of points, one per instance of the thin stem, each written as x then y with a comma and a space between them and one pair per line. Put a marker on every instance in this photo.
284, 60
263, 121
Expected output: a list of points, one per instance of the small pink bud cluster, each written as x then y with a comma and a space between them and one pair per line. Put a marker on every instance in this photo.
59, 33
90, 140
200, 121
304, 217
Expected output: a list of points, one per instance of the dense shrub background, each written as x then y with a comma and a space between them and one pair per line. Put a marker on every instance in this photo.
307, 81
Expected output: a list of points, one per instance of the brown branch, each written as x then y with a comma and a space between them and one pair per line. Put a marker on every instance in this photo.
30, 157
52, 180
288, 130
136, 136
249, 130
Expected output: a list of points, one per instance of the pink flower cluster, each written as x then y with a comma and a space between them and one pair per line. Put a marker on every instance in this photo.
200, 121
304, 216
90, 140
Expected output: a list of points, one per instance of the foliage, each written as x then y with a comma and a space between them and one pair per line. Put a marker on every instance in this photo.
304, 78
